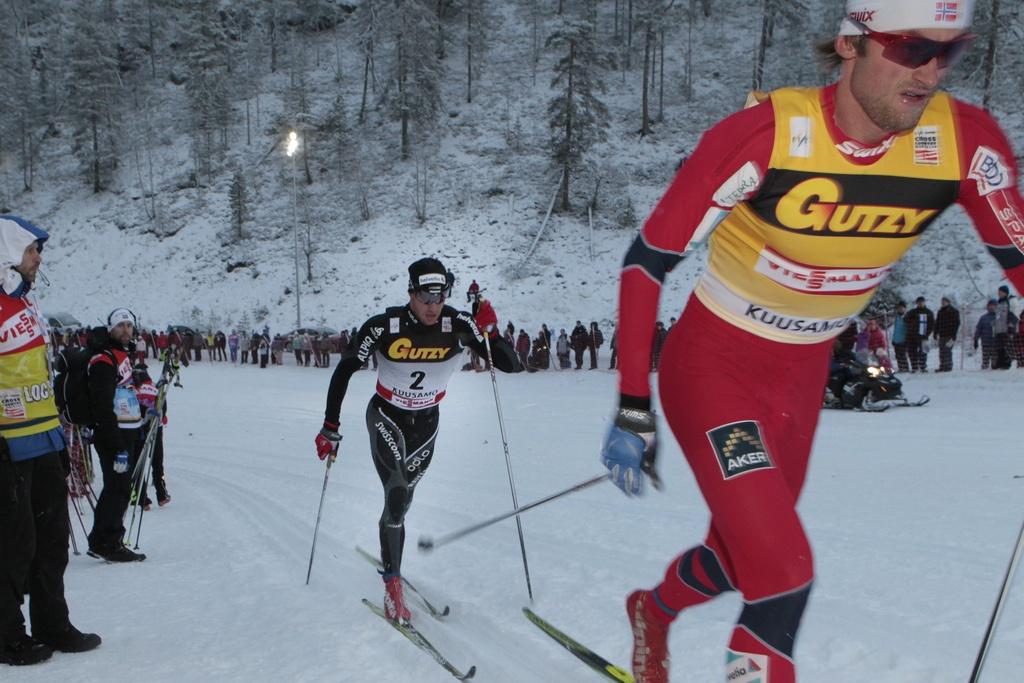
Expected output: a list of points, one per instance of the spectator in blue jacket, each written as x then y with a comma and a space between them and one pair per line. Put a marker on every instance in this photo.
899, 339
983, 332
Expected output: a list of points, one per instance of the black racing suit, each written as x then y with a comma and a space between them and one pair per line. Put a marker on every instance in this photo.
415, 363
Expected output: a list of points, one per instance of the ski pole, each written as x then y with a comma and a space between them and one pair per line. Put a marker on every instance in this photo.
426, 543
508, 464
1004, 591
319, 511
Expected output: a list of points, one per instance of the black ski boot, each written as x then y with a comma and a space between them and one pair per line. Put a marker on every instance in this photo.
23, 650
71, 640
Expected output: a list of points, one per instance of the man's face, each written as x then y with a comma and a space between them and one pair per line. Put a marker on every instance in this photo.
427, 314
30, 260
892, 96
122, 333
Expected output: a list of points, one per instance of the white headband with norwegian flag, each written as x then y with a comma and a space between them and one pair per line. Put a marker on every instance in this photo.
888, 16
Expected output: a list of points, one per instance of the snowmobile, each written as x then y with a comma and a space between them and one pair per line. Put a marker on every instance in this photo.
862, 384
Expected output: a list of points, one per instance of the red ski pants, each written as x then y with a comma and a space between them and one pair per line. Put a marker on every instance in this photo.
744, 410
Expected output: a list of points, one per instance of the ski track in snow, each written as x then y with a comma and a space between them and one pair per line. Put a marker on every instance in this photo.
912, 515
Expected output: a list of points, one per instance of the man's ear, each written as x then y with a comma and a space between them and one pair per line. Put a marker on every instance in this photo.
846, 47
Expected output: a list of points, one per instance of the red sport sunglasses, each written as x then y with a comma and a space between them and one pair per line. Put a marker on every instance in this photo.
914, 52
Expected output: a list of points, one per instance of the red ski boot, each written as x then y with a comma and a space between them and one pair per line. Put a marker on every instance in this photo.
650, 639
394, 603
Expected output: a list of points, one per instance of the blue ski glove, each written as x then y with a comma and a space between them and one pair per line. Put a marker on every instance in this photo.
630, 449
121, 462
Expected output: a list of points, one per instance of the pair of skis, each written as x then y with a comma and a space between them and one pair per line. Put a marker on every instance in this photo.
410, 631
595, 661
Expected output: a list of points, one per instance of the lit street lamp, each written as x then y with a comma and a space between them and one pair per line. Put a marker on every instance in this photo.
293, 146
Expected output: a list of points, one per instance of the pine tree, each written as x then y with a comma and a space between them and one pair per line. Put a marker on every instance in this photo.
578, 118
480, 24
238, 197
774, 12
207, 88
93, 92
413, 93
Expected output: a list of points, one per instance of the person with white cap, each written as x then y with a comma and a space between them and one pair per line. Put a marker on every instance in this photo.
34, 523
420, 345
807, 198
117, 433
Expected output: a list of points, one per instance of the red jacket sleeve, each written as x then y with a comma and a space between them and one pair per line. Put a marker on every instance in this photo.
989, 192
726, 168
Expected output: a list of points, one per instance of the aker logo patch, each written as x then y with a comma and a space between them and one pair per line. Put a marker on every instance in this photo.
743, 667
739, 448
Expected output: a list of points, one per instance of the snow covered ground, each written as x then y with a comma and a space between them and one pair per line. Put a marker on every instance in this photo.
912, 514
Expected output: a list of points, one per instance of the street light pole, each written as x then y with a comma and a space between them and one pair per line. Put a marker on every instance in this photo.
293, 145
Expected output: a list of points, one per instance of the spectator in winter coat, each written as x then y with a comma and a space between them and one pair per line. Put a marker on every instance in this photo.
233, 345
920, 325
611, 344
546, 333
578, 340
254, 346
264, 351
161, 344
594, 341
307, 349
562, 350
510, 334
472, 292
947, 325
983, 332
876, 339
523, 347
861, 343
659, 340
848, 337
117, 434
1004, 326
277, 349
899, 338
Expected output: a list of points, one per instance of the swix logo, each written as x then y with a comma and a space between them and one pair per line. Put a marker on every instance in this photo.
818, 279
402, 349
864, 16
815, 205
854, 149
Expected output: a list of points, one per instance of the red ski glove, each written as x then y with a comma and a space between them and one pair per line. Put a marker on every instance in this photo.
327, 441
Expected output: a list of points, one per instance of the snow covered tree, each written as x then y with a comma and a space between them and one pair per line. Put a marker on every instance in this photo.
480, 24
238, 198
367, 28
335, 133
773, 12
93, 91
413, 92
207, 87
577, 117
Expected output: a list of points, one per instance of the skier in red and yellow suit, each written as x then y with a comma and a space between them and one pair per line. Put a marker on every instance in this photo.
34, 524
807, 200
